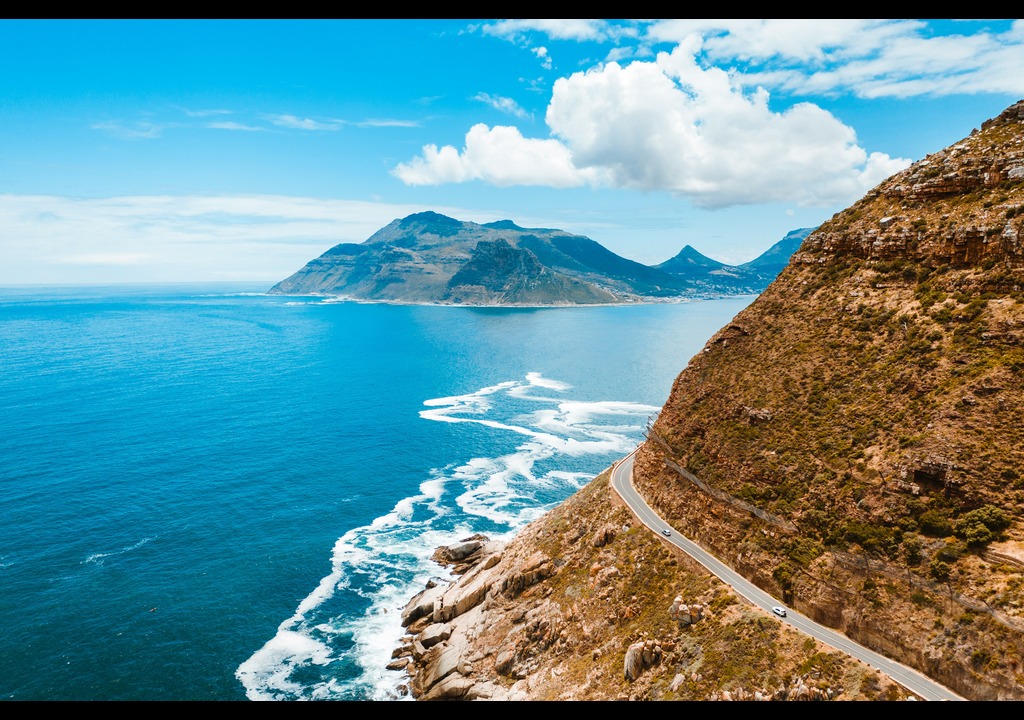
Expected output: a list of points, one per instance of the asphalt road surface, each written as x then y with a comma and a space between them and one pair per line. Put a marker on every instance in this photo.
622, 482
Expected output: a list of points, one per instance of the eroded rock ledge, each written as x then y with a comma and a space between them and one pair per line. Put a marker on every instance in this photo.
444, 619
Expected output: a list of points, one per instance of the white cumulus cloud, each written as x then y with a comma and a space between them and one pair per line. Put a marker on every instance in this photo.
673, 125
500, 156
670, 125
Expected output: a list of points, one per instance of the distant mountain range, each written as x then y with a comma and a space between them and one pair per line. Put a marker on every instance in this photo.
431, 258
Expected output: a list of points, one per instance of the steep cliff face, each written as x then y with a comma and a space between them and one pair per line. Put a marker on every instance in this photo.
861, 428
873, 399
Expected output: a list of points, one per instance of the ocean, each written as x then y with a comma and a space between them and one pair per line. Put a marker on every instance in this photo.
209, 493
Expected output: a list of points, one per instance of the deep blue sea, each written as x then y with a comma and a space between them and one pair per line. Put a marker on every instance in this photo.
208, 493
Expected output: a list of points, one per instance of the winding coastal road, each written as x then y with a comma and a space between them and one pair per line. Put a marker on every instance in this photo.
622, 482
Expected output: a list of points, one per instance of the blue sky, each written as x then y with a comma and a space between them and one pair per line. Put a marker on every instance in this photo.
207, 150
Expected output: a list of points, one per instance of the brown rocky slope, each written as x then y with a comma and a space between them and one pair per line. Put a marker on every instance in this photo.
861, 428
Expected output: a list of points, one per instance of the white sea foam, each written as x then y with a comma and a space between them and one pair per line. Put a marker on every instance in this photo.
266, 675
535, 378
391, 546
100, 557
380, 566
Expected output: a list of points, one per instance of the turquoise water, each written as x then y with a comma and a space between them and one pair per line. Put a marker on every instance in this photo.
212, 494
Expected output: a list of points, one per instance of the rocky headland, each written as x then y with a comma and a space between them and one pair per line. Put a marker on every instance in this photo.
431, 258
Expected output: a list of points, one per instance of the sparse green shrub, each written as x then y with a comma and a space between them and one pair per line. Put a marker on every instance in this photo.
935, 523
912, 546
906, 441
783, 575
939, 570
750, 493
971, 310
981, 659
891, 693
919, 347
873, 538
951, 552
981, 526
930, 296
818, 524
921, 599
907, 524
721, 602
804, 551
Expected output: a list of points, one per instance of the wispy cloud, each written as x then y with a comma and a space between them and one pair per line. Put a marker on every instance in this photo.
297, 123
571, 29
865, 58
162, 238
229, 125
205, 113
122, 259
386, 122
141, 129
428, 99
504, 104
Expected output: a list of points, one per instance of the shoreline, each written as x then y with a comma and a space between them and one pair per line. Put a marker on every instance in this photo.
332, 299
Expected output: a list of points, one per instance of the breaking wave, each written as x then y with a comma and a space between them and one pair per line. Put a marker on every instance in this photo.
339, 640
